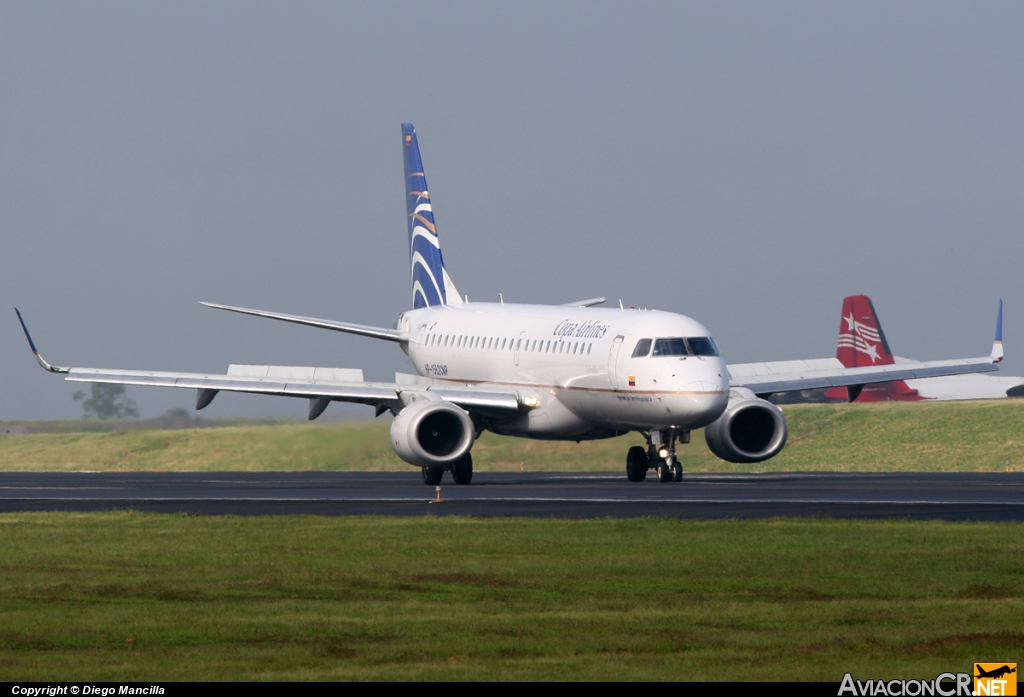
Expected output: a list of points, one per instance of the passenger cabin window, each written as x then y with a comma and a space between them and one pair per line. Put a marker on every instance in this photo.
643, 347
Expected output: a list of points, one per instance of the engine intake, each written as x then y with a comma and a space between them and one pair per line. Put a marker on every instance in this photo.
431, 434
749, 430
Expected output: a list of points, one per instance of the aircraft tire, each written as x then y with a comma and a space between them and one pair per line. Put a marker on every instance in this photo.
432, 475
462, 470
664, 472
636, 464
677, 472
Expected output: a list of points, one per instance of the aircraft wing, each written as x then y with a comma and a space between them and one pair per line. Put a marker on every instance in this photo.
320, 385
790, 376
316, 384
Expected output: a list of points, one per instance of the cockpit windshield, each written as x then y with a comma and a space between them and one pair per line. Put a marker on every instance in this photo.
669, 347
643, 347
678, 346
703, 346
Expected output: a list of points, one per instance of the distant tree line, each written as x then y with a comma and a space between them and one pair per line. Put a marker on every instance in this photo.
107, 402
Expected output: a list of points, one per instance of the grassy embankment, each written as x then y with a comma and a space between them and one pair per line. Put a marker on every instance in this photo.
944, 436
129, 596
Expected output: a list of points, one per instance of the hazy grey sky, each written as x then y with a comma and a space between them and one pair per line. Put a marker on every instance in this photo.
748, 164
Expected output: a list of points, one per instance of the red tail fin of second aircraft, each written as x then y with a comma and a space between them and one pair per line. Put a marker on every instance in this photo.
862, 343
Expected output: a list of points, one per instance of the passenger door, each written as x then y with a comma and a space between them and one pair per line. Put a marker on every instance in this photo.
613, 360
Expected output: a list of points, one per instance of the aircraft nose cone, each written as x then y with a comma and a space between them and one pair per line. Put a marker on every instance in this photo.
703, 386
704, 401
712, 376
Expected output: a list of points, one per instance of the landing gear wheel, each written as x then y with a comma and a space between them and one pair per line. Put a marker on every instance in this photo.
677, 472
636, 464
664, 472
432, 475
462, 470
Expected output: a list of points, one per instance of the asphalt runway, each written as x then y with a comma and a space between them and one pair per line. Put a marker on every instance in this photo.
946, 496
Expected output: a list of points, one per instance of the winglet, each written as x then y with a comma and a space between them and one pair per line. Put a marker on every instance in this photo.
32, 344
997, 343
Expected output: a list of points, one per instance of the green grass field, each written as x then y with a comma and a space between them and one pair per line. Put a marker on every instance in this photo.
938, 436
129, 596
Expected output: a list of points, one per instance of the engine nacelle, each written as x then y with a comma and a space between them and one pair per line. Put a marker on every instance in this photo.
749, 430
432, 434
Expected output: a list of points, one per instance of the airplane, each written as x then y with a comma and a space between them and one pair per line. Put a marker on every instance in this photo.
862, 343
555, 372
995, 672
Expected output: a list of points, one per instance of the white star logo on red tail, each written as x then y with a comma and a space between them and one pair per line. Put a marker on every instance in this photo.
861, 337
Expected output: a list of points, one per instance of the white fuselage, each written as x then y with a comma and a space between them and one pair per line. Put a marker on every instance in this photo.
572, 365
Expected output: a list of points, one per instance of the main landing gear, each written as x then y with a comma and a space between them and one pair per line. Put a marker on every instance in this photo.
461, 469
660, 455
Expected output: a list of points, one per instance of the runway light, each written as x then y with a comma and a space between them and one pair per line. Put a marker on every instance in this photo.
438, 499
663, 452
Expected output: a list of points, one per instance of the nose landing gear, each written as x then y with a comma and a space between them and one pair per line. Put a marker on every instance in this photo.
660, 456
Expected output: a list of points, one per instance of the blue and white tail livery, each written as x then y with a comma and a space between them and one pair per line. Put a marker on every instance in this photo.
431, 285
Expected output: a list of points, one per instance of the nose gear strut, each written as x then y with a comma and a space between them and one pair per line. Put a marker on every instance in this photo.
660, 456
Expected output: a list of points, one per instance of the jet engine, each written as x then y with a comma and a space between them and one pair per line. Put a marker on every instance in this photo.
749, 430
432, 434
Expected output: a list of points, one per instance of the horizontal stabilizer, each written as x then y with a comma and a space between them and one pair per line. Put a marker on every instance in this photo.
360, 329
590, 302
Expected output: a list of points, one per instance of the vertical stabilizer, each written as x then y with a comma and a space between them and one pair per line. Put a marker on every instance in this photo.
862, 343
861, 339
431, 285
